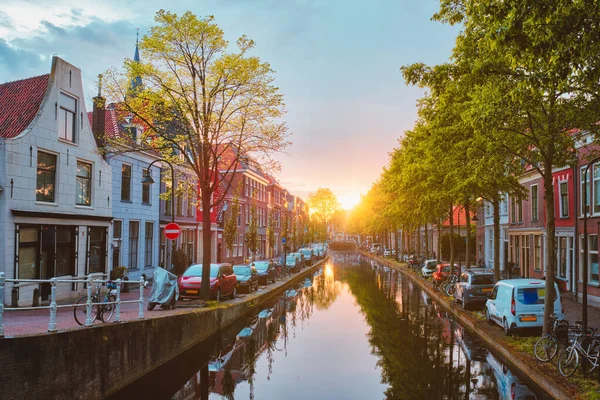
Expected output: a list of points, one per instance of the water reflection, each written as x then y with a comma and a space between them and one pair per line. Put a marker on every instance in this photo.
354, 329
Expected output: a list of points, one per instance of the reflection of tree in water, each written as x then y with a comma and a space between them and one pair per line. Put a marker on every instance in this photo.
415, 361
228, 384
250, 357
326, 289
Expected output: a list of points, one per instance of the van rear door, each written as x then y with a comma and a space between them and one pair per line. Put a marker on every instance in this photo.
529, 303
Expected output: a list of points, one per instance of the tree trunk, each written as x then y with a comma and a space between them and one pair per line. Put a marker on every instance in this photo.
426, 243
439, 243
451, 220
496, 205
468, 230
206, 223
550, 244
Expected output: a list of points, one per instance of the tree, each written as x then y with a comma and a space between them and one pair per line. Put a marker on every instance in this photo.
230, 231
323, 204
205, 106
252, 233
271, 232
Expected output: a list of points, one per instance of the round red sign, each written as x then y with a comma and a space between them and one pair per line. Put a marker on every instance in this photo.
172, 231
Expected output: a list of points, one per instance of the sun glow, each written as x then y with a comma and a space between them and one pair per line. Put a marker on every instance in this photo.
348, 202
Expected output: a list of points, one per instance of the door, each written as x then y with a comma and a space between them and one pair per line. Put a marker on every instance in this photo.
47, 258
492, 304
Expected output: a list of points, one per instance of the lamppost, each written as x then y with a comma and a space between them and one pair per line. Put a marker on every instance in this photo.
147, 180
584, 314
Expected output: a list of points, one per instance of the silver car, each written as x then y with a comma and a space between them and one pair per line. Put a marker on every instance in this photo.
429, 268
474, 286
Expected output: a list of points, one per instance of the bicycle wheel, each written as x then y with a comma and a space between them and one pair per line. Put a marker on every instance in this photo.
545, 348
108, 310
80, 311
568, 361
593, 356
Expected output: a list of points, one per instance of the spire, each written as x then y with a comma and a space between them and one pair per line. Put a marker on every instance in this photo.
136, 82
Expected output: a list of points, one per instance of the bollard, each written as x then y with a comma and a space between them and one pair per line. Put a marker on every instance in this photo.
141, 312
2, 284
118, 301
36, 297
52, 323
88, 303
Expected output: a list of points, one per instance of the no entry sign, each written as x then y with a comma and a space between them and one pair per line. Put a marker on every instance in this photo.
172, 231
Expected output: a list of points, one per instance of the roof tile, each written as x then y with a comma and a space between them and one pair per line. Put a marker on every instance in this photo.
20, 101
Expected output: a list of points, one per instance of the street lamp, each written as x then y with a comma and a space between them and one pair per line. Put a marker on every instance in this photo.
584, 314
147, 180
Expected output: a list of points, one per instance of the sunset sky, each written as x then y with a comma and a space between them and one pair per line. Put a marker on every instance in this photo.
337, 64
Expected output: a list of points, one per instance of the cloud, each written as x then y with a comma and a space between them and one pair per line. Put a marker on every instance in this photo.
17, 63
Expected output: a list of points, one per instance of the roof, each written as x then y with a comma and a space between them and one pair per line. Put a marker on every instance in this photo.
20, 101
459, 217
112, 128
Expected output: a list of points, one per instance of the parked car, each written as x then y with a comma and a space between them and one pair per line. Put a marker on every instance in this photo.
442, 271
247, 277
474, 286
266, 271
375, 248
429, 268
387, 253
292, 262
301, 259
519, 303
308, 256
223, 281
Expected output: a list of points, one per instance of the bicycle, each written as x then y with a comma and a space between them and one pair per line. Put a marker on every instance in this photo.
587, 347
102, 312
450, 285
547, 346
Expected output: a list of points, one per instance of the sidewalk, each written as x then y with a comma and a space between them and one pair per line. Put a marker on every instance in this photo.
573, 311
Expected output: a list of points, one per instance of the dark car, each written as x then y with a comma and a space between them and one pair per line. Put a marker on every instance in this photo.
309, 256
266, 271
223, 281
247, 277
474, 286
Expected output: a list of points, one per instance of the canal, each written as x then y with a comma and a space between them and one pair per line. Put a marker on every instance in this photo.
354, 330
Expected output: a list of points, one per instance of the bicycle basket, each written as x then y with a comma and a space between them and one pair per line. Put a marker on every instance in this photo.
111, 285
562, 331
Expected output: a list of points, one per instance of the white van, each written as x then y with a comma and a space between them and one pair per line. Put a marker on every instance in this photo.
519, 303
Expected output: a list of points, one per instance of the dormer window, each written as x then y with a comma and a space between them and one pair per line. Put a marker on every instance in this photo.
67, 118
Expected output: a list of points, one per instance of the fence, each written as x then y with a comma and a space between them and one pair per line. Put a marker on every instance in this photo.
53, 307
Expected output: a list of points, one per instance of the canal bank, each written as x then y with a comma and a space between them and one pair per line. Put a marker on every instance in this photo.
521, 362
97, 361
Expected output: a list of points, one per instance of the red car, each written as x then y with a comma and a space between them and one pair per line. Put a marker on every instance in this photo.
223, 281
442, 271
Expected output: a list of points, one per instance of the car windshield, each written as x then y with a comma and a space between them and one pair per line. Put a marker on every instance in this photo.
431, 264
261, 265
241, 270
482, 280
305, 251
196, 270
446, 268
291, 258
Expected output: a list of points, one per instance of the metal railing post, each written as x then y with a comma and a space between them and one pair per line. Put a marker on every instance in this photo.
52, 323
118, 301
2, 283
88, 303
141, 312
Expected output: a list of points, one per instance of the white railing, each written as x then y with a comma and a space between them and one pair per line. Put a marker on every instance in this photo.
53, 307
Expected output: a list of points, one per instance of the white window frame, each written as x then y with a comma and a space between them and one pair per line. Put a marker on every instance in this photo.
564, 210
534, 202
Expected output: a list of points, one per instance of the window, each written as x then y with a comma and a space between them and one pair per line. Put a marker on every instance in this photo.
146, 188
66, 118
46, 177
490, 244
520, 210
65, 250
562, 258
564, 200
84, 184
513, 210
593, 258
162, 253
596, 182
179, 201
117, 229
191, 235
126, 182
168, 202
190, 202
28, 252
537, 252
134, 231
97, 249
534, 202
239, 217
585, 205
149, 242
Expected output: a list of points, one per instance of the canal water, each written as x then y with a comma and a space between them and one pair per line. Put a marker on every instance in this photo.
353, 330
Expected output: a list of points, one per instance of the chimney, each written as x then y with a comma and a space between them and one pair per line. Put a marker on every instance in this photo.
98, 117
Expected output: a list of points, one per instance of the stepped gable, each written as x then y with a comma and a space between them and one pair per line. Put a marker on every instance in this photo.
20, 101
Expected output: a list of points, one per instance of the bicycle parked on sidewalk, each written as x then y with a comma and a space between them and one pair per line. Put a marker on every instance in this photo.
586, 346
547, 346
100, 311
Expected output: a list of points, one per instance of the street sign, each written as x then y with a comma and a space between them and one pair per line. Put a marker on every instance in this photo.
172, 231
283, 240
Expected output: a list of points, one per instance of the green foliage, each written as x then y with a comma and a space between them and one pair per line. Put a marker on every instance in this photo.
181, 262
230, 230
252, 232
271, 230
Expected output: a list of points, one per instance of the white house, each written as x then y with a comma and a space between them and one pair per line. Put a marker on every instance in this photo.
56, 196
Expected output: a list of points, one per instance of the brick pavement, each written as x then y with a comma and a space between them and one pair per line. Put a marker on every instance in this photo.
573, 311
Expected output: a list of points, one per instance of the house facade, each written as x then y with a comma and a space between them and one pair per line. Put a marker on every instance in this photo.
56, 201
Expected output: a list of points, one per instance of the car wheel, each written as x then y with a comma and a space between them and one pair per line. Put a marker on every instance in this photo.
507, 330
219, 294
488, 318
234, 293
